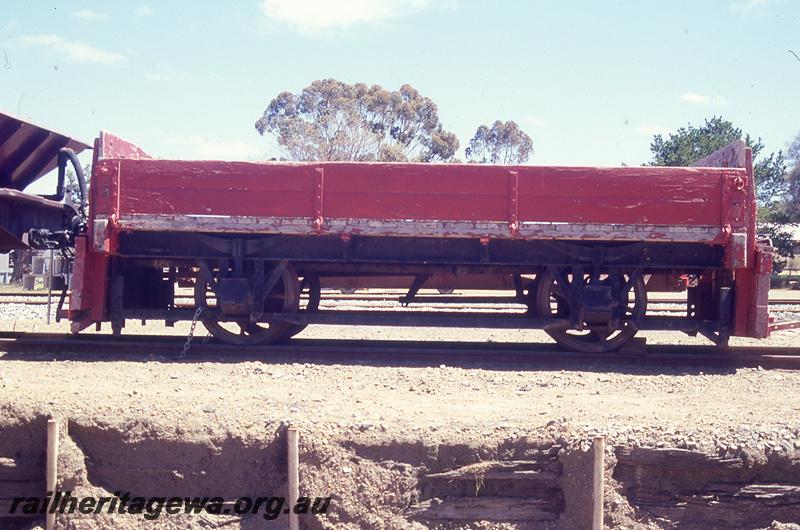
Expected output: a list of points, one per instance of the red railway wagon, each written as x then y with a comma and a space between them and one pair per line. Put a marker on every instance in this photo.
577, 243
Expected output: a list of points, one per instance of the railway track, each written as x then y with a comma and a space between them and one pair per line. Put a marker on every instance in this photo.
519, 355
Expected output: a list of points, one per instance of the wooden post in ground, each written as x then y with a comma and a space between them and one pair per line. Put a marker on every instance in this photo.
52, 467
598, 449
293, 476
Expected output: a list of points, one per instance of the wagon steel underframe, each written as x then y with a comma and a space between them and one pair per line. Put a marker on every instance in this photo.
414, 257
381, 255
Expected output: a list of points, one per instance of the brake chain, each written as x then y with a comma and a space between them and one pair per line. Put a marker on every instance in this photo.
188, 343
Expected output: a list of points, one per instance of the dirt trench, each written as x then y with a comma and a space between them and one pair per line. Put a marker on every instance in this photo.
541, 481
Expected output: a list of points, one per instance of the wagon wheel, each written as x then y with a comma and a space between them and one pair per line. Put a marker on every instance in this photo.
552, 300
310, 293
282, 298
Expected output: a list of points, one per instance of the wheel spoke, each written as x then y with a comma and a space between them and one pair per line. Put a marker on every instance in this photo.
594, 338
283, 297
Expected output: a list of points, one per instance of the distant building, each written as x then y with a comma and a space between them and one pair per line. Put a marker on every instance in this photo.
793, 265
5, 269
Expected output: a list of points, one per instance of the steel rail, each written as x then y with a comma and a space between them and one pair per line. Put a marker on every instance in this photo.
21, 345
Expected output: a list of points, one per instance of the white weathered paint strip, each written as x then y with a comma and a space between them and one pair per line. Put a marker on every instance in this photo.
417, 228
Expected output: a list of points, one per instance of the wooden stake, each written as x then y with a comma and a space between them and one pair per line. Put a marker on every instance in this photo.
293, 476
599, 449
52, 466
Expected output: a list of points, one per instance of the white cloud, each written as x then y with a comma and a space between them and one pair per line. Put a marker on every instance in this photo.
72, 51
747, 5
88, 14
143, 11
315, 16
651, 130
693, 97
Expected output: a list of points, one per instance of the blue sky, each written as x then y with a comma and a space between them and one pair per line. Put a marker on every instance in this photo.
589, 81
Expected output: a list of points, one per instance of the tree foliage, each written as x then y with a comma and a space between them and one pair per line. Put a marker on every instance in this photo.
690, 143
771, 182
333, 120
793, 180
502, 143
72, 190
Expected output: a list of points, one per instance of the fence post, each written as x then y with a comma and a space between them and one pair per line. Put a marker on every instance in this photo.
52, 468
598, 472
293, 477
